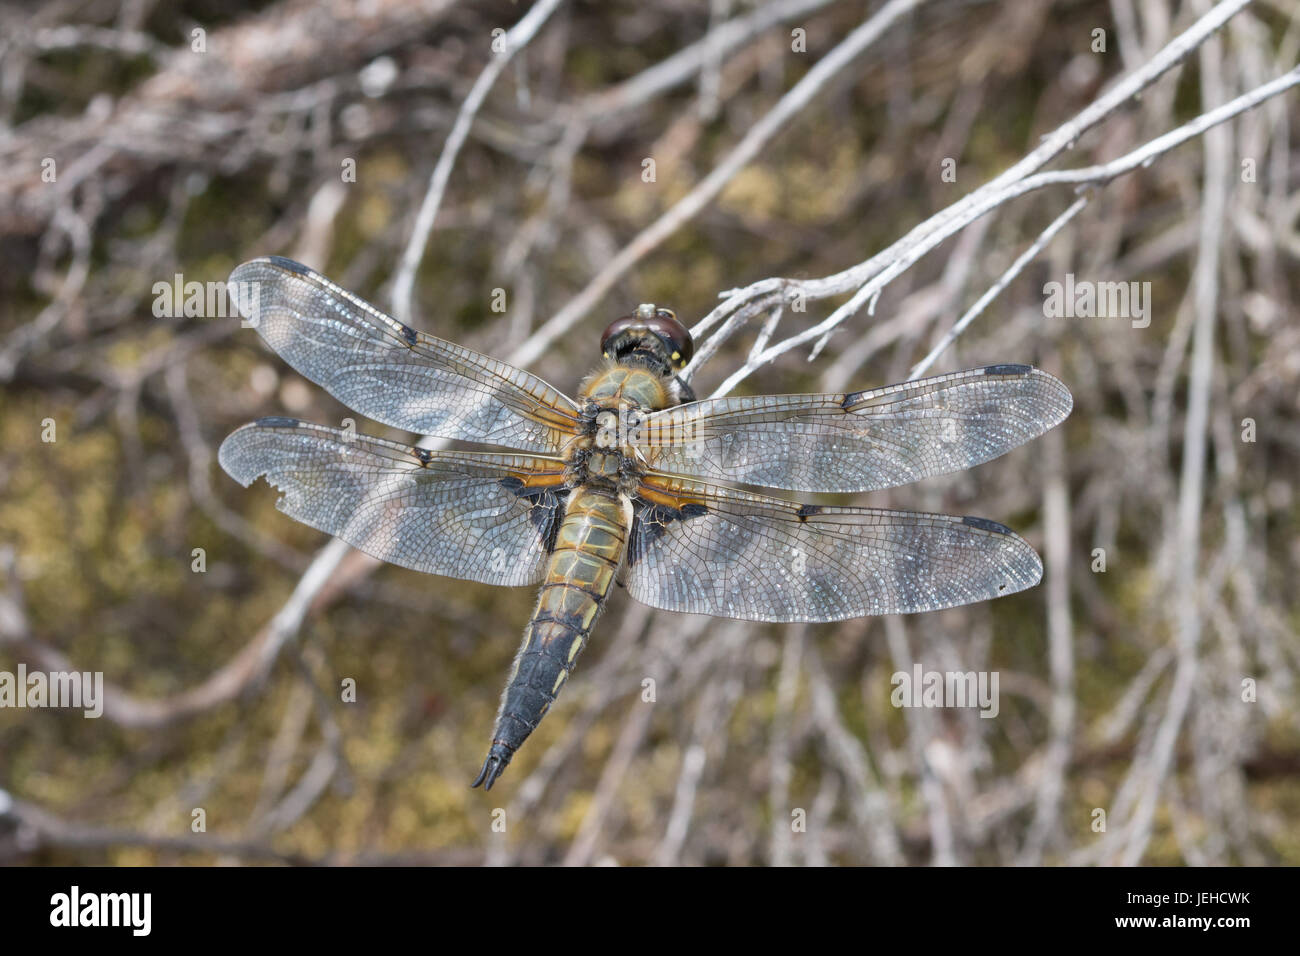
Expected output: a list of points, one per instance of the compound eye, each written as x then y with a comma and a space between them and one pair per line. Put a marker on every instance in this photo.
674, 335
616, 328
648, 322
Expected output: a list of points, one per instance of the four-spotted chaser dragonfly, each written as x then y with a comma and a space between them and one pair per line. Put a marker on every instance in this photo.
621, 484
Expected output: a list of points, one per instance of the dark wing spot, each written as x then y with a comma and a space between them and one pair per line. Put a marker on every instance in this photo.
984, 524
851, 399
548, 515
646, 530
423, 454
651, 523
648, 525
1008, 370
546, 511
409, 335
807, 511
277, 421
289, 265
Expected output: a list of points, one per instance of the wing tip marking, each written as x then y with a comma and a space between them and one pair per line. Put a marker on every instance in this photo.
1010, 368
984, 524
289, 265
277, 421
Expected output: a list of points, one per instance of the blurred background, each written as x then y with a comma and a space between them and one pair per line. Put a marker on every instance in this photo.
1148, 710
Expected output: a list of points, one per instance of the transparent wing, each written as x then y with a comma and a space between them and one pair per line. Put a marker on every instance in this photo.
707, 550
391, 373
861, 441
477, 516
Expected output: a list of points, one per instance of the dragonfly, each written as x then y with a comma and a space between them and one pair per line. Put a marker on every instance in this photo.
631, 481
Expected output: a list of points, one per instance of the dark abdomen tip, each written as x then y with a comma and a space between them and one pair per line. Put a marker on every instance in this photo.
495, 764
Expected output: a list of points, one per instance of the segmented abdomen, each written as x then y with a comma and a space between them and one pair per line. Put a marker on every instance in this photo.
588, 549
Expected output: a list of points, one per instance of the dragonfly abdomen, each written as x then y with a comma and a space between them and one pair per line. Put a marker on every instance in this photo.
589, 547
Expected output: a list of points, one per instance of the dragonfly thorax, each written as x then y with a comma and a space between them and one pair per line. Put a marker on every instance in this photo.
617, 400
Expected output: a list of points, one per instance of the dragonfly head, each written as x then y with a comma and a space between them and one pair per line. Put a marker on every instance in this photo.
650, 335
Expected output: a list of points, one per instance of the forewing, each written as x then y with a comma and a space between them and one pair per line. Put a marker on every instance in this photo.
389, 372
707, 550
861, 441
477, 516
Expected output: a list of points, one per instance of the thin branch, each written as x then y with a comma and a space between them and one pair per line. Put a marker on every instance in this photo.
516, 38
1003, 281
707, 189
868, 278
921, 240
1187, 608
688, 61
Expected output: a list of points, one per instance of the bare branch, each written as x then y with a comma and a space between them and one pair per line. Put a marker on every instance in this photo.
515, 39
707, 189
